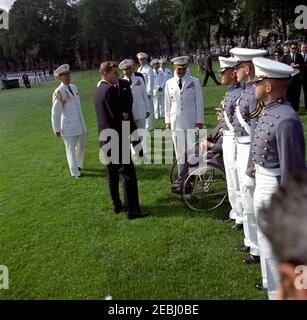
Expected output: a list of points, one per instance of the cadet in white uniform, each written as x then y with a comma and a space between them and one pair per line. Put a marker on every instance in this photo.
278, 150
242, 124
159, 82
167, 75
234, 90
184, 107
68, 121
147, 72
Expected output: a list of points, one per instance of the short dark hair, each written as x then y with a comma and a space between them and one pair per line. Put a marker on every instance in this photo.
284, 221
294, 43
107, 66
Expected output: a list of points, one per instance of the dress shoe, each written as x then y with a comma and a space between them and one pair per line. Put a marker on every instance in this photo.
80, 169
79, 177
237, 227
176, 189
136, 215
251, 259
259, 286
120, 208
243, 248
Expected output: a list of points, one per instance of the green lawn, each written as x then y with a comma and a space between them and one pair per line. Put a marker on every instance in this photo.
61, 240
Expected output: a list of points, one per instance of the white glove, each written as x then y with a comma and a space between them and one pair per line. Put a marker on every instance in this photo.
250, 184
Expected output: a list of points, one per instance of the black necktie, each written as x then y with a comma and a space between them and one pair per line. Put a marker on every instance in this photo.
69, 88
293, 58
130, 81
180, 83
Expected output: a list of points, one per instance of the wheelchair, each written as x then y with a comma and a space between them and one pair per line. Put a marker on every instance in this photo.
204, 188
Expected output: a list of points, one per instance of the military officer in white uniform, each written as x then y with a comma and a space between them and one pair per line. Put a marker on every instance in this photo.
184, 107
234, 91
68, 121
242, 123
167, 75
277, 151
140, 108
158, 90
147, 72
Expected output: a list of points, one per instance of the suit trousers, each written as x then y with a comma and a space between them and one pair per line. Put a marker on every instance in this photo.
266, 185
294, 93
150, 121
75, 152
229, 157
128, 174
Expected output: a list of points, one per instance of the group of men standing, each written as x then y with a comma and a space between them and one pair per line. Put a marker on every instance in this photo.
263, 138
263, 144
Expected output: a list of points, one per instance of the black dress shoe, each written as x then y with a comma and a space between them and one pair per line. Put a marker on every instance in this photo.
251, 259
243, 248
136, 215
237, 227
119, 208
259, 286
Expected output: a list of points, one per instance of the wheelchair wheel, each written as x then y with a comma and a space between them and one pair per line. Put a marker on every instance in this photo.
205, 189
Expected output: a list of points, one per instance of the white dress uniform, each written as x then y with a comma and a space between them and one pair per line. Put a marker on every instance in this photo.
245, 105
229, 144
147, 72
68, 119
158, 95
278, 150
183, 109
167, 75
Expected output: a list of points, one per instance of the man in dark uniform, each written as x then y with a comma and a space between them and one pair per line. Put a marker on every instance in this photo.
304, 75
209, 70
113, 102
277, 150
296, 61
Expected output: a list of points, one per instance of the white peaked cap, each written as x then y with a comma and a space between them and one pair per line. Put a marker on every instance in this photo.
245, 54
181, 61
126, 64
142, 55
61, 69
226, 63
154, 61
270, 69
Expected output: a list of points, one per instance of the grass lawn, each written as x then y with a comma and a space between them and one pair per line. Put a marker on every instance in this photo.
61, 240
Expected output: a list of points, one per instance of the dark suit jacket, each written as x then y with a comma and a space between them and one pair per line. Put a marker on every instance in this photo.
216, 137
298, 60
110, 103
208, 63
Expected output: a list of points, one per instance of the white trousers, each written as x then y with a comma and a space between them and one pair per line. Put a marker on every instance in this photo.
75, 152
266, 185
158, 101
229, 157
247, 200
183, 142
150, 121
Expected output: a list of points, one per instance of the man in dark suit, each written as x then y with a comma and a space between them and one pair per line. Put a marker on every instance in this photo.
304, 76
209, 70
296, 61
113, 102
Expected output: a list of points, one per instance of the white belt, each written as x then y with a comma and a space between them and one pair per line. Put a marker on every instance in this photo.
268, 172
228, 133
228, 123
244, 139
241, 120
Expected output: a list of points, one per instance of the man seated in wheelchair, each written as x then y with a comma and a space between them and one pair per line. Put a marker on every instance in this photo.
210, 149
